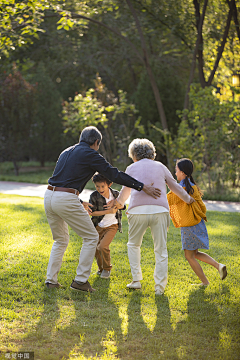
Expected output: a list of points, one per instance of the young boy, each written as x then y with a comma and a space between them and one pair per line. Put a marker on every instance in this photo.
106, 221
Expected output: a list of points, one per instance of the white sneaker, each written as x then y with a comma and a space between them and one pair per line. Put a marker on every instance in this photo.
222, 269
134, 285
105, 274
158, 292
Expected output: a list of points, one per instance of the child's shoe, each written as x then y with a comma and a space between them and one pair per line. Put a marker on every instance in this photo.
105, 274
222, 269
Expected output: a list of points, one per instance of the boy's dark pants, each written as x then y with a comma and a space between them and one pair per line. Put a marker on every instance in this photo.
102, 254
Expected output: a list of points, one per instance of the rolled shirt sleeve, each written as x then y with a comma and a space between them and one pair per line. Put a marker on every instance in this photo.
112, 173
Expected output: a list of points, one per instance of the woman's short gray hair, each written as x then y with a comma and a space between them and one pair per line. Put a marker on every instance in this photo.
141, 149
90, 134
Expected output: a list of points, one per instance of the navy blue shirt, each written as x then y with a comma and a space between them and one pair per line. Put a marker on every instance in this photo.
77, 164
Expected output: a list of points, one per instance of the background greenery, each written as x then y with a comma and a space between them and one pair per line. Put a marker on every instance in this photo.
32, 172
187, 322
133, 68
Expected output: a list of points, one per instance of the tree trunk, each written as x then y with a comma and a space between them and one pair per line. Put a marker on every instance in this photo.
16, 167
149, 69
200, 20
152, 79
199, 49
143, 59
221, 47
235, 16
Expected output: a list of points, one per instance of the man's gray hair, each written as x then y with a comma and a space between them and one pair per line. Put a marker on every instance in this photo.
90, 134
141, 149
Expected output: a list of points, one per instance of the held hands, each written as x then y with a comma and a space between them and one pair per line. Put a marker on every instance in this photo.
152, 191
112, 210
191, 201
118, 205
109, 205
112, 204
87, 206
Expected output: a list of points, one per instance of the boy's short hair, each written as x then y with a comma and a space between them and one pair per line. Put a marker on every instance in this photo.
100, 178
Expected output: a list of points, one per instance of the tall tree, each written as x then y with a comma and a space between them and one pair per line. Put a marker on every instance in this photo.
16, 114
21, 22
144, 57
46, 128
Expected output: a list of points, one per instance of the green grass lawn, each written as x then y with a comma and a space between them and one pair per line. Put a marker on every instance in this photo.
29, 171
187, 322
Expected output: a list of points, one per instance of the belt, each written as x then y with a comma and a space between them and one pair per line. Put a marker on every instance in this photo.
55, 188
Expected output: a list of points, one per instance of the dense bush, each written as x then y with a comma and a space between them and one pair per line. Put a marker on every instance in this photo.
209, 134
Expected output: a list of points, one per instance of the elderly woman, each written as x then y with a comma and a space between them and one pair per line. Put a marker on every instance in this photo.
144, 211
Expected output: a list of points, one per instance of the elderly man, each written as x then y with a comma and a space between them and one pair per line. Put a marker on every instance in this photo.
75, 167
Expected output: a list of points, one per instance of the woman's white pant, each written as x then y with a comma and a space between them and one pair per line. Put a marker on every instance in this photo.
138, 224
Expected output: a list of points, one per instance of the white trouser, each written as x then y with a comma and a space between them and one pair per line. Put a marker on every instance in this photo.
138, 224
64, 208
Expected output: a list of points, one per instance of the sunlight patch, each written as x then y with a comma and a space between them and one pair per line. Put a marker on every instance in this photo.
124, 316
225, 341
66, 317
74, 354
177, 317
149, 312
110, 346
228, 229
178, 308
182, 352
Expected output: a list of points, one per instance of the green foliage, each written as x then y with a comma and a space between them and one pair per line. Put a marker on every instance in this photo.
31, 123
16, 116
115, 322
83, 111
171, 91
46, 131
72, 50
20, 22
28, 172
114, 116
209, 134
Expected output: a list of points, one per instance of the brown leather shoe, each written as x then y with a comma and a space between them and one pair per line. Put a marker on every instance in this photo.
82, 287
51, 286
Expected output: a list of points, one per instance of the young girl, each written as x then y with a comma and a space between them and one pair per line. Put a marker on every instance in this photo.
191, 220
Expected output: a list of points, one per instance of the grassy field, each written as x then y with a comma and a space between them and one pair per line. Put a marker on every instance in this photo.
30, 172
187, 322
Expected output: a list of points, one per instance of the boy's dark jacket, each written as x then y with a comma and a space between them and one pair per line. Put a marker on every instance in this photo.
98, 202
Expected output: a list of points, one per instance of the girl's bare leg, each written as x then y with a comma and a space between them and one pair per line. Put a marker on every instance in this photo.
206, 258
190, 256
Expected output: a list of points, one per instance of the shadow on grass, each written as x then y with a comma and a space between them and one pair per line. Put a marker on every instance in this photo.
67, 322
143, 341
88, 324
198, 335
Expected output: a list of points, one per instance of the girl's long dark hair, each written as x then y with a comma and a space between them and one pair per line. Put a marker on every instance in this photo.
186, 166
